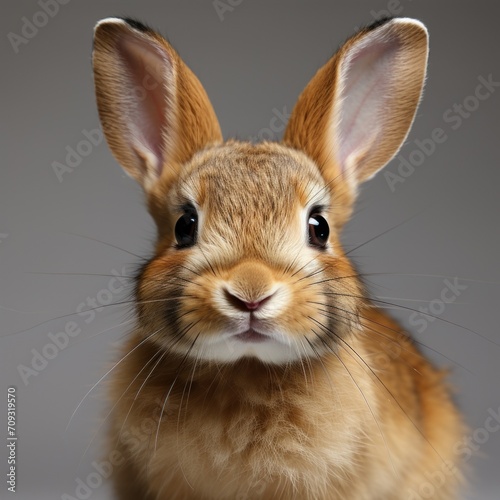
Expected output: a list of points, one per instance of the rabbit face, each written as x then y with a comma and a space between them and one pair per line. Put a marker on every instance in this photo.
251, 265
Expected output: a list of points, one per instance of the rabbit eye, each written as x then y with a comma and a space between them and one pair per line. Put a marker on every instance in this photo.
186, 228
318, 230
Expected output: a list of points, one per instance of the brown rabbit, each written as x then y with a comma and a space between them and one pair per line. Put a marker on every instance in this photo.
258, 367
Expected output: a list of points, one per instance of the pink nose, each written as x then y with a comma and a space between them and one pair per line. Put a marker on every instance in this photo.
244, 305
251, 306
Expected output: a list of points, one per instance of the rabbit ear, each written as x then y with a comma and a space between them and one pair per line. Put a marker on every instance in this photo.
353, 116
154, 111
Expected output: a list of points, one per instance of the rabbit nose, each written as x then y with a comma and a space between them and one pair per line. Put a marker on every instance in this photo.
250, 284
245, 305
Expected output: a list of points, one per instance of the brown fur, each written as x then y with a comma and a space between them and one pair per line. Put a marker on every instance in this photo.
353, 411
245, 431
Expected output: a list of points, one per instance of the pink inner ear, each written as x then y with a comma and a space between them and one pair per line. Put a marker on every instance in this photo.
149, 75
366, 78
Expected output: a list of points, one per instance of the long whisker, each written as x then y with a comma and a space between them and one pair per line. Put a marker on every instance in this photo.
188, 352
329, 331
327, 373
305, 265
386, 231
106, 374
311, 274
90, 337
190, 380
158, 361
114, 304
442, 276
107, 244
348, 322
115, 405
361, 392
399, 306
397, 332
292, 262
165, 352
79, 274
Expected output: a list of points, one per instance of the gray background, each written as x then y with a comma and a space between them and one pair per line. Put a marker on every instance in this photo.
258, 58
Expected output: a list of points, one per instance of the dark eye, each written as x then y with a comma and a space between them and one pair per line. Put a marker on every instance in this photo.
318, 231
186, 228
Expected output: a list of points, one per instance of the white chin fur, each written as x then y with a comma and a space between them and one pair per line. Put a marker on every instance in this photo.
270, 351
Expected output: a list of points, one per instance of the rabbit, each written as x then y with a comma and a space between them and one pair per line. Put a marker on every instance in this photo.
258, 367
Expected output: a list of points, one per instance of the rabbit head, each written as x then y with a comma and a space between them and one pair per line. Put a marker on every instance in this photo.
248, 261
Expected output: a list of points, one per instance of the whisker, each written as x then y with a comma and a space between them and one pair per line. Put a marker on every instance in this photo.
102, 306
386, 231
362, 395
311, 274
188, 352
90, 337
327, 373
190, 380
397, 332
115, 405
305, 265
207, 261
329, 331
292, 262
303, 367
13, 309
107, 244
179, 338
105, 375
190, 270
347, 322
79, 274
420, 275
399, 306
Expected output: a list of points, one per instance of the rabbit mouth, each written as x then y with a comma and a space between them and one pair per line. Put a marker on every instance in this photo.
251, 336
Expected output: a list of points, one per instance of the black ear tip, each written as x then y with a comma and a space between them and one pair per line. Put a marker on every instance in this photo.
137, 25
379, 22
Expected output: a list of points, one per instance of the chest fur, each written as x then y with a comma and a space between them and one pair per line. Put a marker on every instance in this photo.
229, 439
